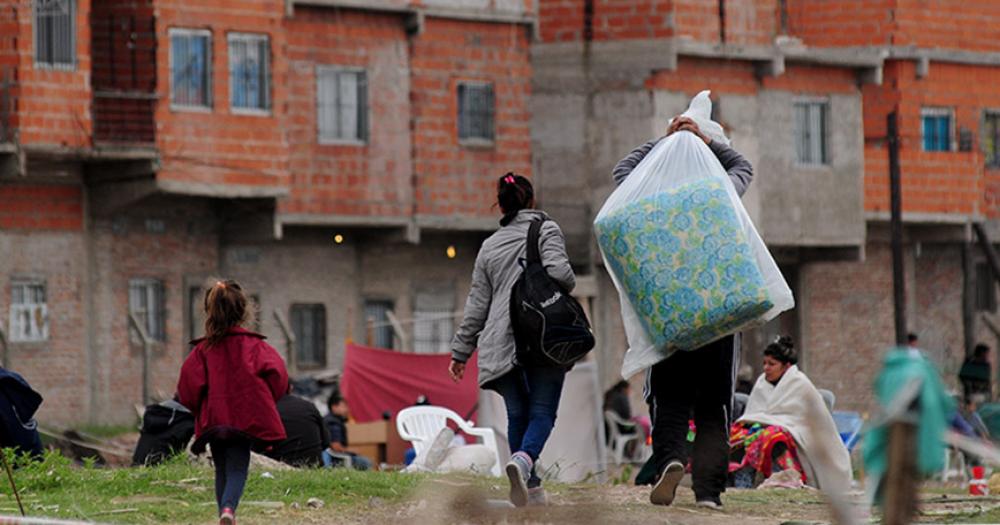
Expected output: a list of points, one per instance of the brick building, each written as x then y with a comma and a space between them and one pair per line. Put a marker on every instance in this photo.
804, 88
338, 157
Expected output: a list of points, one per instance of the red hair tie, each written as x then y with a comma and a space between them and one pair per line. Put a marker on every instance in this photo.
509, 179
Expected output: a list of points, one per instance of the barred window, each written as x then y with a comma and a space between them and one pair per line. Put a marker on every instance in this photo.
250, 71
475, 111
190, 67
309, 326
55, 33
29, 314
145, 301
377, 315
811, 142
341, 104
991, 138
433, 322
937, 129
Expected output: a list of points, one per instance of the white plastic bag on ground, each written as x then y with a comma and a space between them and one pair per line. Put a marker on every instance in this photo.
688, 263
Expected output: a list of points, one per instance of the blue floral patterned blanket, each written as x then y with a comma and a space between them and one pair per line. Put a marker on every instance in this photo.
685, 264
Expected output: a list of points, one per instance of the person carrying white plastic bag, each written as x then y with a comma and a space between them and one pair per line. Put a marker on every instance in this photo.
706, 244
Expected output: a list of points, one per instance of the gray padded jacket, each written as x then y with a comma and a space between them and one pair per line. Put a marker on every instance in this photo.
486, 323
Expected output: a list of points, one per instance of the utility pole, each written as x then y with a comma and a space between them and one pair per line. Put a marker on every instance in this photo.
896, 227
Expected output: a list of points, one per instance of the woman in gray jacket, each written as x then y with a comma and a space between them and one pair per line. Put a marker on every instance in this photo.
530, 394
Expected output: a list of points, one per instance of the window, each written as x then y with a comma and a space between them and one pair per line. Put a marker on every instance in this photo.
377, 322
190, 68
196, 312
811, 132
936, 129
433, 316
309, 326
29, 313
341, 104
249, 71
55, 33
145, 301
986, 289
475, 111
991, 138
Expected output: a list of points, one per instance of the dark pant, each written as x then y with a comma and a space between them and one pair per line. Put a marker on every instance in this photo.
532, 399
232, 461
700, 381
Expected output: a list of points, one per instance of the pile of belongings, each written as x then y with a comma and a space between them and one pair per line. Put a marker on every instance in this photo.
689, 266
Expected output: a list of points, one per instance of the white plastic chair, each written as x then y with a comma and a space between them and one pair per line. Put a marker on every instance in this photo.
618, 440
421, 424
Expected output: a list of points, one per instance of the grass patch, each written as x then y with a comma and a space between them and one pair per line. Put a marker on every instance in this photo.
182, 492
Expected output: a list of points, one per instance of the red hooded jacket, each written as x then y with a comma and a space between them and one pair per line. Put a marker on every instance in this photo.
232, 388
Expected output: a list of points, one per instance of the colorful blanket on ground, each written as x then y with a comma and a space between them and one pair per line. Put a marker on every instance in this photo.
685, 264
757, 442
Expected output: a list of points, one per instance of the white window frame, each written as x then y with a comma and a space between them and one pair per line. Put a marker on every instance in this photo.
939, 111
268, 95
29, 319
475, 141
154, 321
56, 66
825, 135
209, 87
361, 141
441, 320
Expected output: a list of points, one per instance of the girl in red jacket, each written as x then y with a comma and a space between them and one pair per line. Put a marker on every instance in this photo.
231, 382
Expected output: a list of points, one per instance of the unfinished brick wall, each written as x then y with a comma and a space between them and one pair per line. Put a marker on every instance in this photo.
456, 179
738, 78
53, 104
370, 178
842, 22
41, 207
221, 146
952, 182
56, 368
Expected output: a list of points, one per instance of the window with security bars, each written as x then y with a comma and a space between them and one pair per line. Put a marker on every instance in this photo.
475, 111
249, 71
55, 33
991, 138
433, 322
145, 301
309, 327
29, 313
936, 129
811, 141
986, 289
341, 104
377, 317
190, 68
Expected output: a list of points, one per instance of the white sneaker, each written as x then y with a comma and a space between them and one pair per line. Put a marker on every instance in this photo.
666, 487
714, 504
518, 470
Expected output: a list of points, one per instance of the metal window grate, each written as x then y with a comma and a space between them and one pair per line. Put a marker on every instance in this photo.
811, 132
476, 109
377, 313
986, 289
309, 325
991, 138
433, 322
145, 300
250, 71
190, 67
29, 314
342, 104
55, 33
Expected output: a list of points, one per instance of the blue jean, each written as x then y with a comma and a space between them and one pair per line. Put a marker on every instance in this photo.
532, 399
232, 462
357, 462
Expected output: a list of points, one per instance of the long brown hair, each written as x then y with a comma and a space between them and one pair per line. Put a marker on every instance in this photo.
226, 306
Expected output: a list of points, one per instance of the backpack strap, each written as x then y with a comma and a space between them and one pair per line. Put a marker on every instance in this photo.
534, 233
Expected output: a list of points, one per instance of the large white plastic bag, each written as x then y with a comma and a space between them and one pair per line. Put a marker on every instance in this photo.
687, 261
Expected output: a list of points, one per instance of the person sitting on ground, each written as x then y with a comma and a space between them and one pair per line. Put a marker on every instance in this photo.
336, 424
787, 426
307, 434
976, 372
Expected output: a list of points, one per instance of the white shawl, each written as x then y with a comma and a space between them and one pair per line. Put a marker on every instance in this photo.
798, 407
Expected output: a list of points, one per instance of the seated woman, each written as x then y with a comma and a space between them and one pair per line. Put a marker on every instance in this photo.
787, 425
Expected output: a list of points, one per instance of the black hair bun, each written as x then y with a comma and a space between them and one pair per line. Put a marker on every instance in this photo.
783, 349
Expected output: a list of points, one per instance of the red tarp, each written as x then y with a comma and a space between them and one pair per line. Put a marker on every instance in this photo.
378, 380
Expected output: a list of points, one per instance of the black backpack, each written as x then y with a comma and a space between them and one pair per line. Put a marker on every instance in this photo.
550, 326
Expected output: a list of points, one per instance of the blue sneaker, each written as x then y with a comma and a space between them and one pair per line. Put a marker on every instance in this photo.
518, 471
